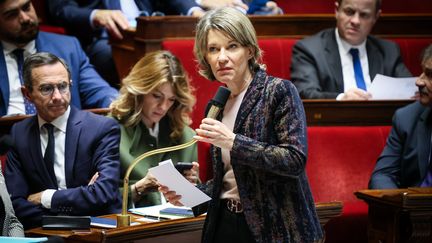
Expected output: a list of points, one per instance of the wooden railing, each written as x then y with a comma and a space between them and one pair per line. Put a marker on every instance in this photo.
152, 31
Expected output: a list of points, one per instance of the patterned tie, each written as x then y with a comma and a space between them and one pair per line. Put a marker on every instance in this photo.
358, 73
19, 54
49, 156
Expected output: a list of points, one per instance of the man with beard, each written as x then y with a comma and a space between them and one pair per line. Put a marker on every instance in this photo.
341, 62
20, 37
64, 161
406, 158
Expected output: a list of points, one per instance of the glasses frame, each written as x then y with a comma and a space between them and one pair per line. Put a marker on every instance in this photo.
62, 87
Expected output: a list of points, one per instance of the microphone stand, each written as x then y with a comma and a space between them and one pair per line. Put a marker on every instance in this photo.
124, 219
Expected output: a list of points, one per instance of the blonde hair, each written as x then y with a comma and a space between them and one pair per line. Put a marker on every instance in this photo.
148, 74
235, 25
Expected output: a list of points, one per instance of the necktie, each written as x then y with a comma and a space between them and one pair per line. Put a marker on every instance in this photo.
358, 73
49, 156
19, 54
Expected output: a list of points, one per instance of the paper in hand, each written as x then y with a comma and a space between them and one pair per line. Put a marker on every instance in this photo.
167, 175
389, 88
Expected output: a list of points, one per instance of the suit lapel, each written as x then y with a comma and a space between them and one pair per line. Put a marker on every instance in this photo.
73, 131
375, 61
4, 84
424, 142
251, 97
333, 57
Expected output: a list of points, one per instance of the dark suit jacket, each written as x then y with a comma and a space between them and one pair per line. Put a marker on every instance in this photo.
268, 158
316, 68
88, 89
75, 14
92, 145
404, 161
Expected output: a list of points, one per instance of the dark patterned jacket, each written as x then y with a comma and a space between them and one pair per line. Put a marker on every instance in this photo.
268, 158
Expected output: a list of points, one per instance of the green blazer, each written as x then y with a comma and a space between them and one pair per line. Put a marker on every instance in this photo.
137, 140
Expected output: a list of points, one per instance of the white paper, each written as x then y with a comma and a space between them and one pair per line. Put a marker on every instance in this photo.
168, 175
155, 211
389, 88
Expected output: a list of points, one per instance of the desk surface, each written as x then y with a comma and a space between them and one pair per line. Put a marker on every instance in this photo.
180, 230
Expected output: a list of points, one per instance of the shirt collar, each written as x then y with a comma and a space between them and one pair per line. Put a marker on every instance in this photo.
60, 122
344, 47
9, 47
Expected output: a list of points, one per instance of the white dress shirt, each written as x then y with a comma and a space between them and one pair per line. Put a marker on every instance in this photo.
347, 63
16, 98
60, 125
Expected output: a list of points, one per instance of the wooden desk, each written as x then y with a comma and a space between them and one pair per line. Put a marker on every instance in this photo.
399, 215
351, 113
180, 230
152, 31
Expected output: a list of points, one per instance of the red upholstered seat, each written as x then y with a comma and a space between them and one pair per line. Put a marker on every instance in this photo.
340, 162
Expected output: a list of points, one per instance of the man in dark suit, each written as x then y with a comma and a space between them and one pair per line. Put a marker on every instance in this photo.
19, 30
64, 161
324, 67
406, 158
92, 21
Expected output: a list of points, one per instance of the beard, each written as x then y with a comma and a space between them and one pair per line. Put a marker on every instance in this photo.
28, 32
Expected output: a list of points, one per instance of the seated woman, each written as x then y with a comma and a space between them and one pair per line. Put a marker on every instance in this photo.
152, 110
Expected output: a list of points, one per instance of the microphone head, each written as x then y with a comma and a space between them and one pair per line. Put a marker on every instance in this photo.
221, 96
5, 143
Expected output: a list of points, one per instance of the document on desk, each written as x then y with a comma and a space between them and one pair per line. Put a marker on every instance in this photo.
169, 176
389, 88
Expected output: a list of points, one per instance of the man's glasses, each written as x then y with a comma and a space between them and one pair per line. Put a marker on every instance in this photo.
48, 89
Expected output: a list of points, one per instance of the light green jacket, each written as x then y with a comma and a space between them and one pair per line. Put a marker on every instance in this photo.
137, 140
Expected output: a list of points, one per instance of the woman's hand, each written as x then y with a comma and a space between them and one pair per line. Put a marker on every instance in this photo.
170, 196
146, 184
192, 174
215, 132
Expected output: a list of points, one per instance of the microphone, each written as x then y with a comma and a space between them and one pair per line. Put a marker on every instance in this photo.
6, 143
218, 102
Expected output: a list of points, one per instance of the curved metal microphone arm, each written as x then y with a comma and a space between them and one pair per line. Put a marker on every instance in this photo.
124, 219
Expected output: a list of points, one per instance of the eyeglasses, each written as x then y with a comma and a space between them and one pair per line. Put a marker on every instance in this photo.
48, 89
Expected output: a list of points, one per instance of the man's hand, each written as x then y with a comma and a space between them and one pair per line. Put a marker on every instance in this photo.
212, 4
35, 198
356, 94
113, 20
273, 7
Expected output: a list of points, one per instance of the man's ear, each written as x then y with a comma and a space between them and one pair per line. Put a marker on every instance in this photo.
26, 93
336, 7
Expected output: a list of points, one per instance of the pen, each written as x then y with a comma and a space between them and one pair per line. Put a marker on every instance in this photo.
155, 217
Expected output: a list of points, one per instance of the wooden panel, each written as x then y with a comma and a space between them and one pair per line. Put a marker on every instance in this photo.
351, 113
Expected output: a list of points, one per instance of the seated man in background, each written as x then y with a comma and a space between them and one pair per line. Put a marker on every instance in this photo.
406, 158
92, 21
20, 37
63, 161
341, 63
